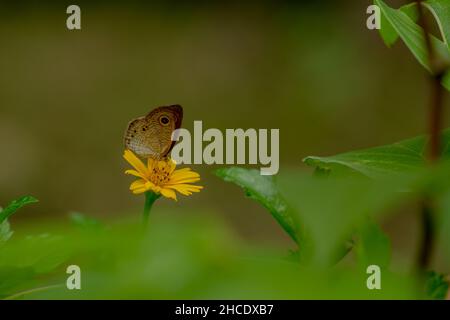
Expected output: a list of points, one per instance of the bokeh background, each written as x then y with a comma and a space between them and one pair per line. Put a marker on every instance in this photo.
310, 68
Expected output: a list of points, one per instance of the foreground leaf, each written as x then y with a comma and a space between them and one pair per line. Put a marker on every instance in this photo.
412, 34
373, 246
85, 222
16, 205
263, 190
441, 11
12, 277
403, 157
436, 286
5, 231
191, 257
387, 31
331, 209
443, 222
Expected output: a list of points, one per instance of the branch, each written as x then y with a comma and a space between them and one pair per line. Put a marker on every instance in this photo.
434, 146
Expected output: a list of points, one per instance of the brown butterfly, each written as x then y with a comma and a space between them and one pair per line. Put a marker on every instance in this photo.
151, 136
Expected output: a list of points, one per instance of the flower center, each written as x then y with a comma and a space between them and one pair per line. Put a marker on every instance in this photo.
160, 176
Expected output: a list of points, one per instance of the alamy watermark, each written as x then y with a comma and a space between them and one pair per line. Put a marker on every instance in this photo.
73, 21
73, 281
374, 279
374, 20
236, 146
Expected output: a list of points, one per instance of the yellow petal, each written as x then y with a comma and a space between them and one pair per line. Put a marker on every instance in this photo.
172, 165
162, 166
145, 185
151, 164
182, 191
137, 184
186, 189
155, 188
135, 162
184, 170
183, 174
140, 190
134, 173
168, 193
140, 186
184, 181
183, 178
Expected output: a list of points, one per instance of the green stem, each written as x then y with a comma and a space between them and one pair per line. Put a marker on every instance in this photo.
436, 106
426, 249
150, 198
20, 294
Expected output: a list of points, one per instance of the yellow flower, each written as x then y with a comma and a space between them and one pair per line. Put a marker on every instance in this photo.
161, 177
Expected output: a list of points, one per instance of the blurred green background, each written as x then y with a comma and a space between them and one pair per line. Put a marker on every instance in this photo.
310, 68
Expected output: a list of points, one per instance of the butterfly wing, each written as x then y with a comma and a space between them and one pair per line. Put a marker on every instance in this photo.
150, 136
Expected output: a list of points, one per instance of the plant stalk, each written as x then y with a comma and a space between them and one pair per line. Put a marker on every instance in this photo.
150, 198
426, 246
434, 145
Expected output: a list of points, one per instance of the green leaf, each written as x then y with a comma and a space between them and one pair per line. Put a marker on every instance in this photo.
5, 232
443, 221
387, 31
84, 222
446, 81
16, 205
373, 246
412, 34
411, 11
403, 157
43, 253
13, 278
436, 286
441, 12
125, 261
263, 190
331, 209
